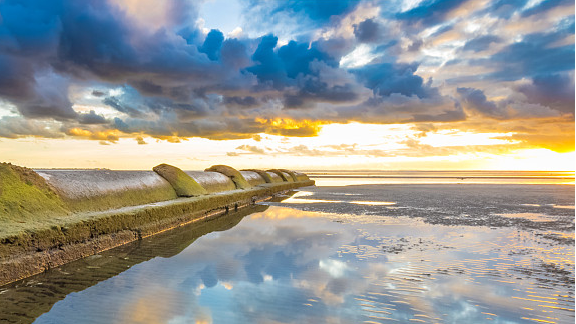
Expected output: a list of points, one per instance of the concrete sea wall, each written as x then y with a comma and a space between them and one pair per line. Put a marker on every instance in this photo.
88, 190
51, 217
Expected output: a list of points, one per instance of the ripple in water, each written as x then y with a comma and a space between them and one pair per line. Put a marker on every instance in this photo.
283, 265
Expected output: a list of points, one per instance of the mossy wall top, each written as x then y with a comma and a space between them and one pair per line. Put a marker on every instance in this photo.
25, 196
253, 178
288, 176
213, 182
274, 177
301, 176
25, 193
105, 189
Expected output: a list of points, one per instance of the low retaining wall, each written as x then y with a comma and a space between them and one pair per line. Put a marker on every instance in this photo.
94, 210
213, 182
88, 190
253, 178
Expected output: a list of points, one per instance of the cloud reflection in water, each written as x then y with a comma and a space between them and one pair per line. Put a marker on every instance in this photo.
288, 266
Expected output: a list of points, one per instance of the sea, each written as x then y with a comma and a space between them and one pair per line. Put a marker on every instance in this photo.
359, 247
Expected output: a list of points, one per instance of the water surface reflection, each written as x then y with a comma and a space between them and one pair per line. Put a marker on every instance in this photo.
283, 265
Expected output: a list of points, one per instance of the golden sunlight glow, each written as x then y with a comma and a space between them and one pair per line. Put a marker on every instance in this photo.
110, 135
351, 146
291, 127
534, 159
79, 132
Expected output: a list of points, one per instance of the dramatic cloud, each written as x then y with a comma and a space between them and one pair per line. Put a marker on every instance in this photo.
152, 69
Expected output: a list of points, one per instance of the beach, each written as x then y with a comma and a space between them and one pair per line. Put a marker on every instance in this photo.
350, 250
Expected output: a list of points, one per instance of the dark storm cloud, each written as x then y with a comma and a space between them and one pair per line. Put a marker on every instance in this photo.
385, 79
553, 90
122, 107
415, 45
475, 99
247, 101
280, 68
212, 44
513, 107
534, 55
98, 93
317, 91
176, 81
367, 31
14, 127
48, 98
91, 118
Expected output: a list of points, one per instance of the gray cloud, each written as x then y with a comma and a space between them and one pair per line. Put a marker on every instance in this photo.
14, 127
91, 118
367, 31
179, 82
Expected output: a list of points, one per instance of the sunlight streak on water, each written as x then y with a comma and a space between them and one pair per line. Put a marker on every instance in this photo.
346, 178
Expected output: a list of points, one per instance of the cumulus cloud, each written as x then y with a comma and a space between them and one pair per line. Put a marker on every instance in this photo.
295, 68
367, 31
509, 108
91, 118
251, 149
553, 90
14, 127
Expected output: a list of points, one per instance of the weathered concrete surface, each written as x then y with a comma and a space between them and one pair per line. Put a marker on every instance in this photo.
213, 182
253, 178
261, 173
301, 176
233, 174
84, 190
183, 184
285, 176
77, 213
292, 174
274, 177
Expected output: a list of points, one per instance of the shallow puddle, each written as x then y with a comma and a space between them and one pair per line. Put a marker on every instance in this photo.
535, 217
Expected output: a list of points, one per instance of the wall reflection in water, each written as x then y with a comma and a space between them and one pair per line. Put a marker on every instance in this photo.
282, 265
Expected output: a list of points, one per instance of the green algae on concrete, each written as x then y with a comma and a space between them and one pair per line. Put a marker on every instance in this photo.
81, 235
213, 182
49, 218
25, 196
301, 176
262, 173
274, 177
233, 174
291, 173
281, 175
102, 189
182, 183
253, 178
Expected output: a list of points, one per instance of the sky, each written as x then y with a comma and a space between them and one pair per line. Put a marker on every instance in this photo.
383, 85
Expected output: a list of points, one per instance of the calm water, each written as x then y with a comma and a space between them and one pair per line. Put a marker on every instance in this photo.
342, 178
370, 253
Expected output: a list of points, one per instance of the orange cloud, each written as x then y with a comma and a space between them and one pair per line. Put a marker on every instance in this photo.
109, 135
291, 127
